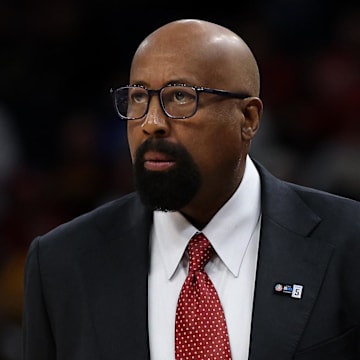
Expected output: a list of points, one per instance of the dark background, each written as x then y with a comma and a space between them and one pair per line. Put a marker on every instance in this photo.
63, 151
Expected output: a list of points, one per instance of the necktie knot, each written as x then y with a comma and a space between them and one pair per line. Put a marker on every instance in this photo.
200, 252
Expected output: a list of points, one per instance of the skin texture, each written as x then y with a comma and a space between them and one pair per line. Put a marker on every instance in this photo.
218, 136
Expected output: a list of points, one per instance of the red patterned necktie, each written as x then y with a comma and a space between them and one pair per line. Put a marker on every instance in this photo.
200, 328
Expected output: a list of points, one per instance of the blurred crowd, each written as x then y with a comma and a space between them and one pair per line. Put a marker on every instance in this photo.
63, 151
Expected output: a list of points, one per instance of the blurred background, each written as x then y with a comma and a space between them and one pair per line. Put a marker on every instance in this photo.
63, 151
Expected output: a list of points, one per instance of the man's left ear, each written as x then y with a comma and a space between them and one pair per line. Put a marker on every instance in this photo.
252, 113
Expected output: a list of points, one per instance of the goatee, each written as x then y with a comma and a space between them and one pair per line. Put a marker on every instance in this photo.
168, 190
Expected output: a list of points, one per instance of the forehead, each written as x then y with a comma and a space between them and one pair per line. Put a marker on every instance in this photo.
155, 67
193, 60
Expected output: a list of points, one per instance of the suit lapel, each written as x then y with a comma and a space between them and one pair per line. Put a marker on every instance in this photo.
115, 278
288, 254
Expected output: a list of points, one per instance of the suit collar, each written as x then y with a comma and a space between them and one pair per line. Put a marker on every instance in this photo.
282, 205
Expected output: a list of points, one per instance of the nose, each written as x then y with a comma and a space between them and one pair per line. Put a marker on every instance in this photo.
155, 123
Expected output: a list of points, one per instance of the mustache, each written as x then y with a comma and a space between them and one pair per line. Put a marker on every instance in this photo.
160, 145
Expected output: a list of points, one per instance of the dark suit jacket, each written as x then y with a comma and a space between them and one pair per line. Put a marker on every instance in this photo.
86, 281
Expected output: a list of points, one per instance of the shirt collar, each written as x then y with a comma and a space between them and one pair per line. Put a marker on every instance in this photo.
229, 231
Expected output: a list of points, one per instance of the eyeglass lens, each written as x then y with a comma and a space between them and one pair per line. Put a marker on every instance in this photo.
177, 101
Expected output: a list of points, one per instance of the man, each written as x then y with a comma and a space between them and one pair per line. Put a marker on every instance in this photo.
106, 285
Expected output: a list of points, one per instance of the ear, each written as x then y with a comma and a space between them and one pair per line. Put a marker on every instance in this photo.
252, 115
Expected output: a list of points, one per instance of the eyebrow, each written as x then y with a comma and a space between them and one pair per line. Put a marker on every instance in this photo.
170, 82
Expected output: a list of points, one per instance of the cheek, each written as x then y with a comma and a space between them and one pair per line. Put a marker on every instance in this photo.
218, 147
224, 134
133, 140
227, 147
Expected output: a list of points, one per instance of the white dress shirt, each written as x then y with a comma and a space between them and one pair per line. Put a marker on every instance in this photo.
234, 234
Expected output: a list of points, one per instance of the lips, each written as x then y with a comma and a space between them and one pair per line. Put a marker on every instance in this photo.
158, 161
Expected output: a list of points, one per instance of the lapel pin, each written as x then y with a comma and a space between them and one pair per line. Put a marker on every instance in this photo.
294, 290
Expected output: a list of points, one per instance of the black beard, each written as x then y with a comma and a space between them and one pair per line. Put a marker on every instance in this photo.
167, 190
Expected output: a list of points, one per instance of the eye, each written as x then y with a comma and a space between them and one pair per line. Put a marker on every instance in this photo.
138, 96
179, 95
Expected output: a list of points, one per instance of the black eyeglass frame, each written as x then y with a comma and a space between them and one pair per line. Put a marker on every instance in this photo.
151, 92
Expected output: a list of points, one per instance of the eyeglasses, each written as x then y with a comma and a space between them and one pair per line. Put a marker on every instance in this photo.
178, 101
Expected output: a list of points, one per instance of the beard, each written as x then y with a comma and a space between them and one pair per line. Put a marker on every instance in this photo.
167, 190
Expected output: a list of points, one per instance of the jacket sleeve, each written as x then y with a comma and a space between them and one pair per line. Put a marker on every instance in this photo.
38, 342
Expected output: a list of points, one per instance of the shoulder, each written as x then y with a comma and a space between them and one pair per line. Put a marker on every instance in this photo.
297, 206
115, 217
271, 185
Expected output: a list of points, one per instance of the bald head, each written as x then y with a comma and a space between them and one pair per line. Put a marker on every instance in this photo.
217, 134
217, 56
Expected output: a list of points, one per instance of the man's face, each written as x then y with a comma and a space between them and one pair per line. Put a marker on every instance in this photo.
184, 163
